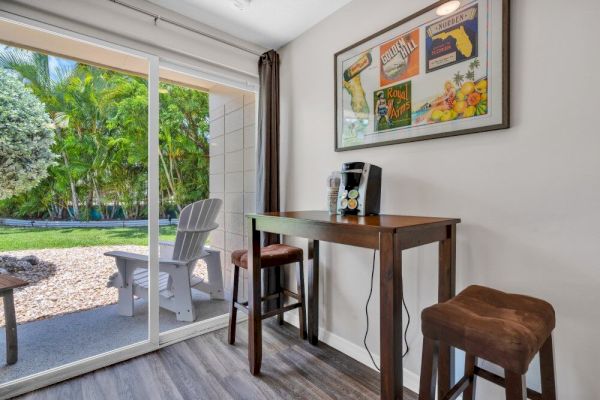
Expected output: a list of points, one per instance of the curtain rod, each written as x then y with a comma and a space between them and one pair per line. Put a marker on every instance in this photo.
182, 26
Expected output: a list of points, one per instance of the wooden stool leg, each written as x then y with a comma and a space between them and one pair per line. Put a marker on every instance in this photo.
515, 386
470, 362
300, 288
547, 370
280, 276
233, 309
12, 347
429, 364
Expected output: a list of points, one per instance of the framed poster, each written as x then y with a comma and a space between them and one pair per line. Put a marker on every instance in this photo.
435, 74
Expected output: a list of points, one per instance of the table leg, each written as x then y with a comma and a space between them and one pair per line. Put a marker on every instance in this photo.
313, 292
12, 348
254, 299
446, 290
390, 257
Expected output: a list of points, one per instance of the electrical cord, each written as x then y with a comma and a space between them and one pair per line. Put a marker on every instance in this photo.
367, 315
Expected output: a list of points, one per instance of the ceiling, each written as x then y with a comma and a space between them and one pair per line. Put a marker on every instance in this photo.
269, 23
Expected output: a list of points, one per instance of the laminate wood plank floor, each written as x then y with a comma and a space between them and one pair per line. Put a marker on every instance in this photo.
206, 367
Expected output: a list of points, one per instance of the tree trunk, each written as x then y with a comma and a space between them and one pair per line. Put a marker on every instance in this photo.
74, 198
171, 187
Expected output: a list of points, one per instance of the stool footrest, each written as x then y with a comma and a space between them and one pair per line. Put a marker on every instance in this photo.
500, 381
244, 307
458, 389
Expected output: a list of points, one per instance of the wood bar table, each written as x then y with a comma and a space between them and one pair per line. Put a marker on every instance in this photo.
390, 234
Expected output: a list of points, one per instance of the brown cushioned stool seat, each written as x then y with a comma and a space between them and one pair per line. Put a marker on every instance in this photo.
505, 329
270, 256
275, 255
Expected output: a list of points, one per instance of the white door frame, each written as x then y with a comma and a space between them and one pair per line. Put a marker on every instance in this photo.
155, 339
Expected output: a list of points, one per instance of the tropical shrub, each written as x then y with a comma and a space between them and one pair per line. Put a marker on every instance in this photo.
26, 137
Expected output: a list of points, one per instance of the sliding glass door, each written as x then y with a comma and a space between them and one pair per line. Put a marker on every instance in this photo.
130, 143
80, 230
206, 152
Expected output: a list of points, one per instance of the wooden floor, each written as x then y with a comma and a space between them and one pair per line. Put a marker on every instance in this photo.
206, 367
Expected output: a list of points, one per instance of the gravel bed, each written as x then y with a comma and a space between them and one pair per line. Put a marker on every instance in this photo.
67, 280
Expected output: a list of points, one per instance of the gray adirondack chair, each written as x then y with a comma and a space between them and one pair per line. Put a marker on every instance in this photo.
176, 265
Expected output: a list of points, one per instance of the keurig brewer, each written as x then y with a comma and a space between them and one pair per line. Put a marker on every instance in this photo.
360, 189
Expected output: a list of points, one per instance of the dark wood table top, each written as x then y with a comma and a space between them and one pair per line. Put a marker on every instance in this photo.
8, 282
372, 222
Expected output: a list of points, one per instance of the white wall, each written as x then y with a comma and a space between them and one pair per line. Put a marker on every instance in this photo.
232, 171
529, 197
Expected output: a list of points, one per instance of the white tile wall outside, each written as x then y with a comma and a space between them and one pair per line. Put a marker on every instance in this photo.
217, 238
233, 241
216, 183
249, 203
217, 112
216, 145
234, 121
234, 104
249, 135
249, 181
234, 202
217, 164
234, 223
220, 220
232, 146
217, 127
249, 114
249, 159
234, 182
234, 141
234, 162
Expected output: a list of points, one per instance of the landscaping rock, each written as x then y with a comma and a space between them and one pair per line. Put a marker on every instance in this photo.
24, 265
3, 271
8, 259
33, 260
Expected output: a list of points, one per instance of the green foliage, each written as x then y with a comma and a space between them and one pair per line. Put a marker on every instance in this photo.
101, 120
37, 238
26, 136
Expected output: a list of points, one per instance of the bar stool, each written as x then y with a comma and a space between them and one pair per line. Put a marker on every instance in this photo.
275, 255
505, 329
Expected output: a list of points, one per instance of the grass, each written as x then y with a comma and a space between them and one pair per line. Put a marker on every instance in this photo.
40, 238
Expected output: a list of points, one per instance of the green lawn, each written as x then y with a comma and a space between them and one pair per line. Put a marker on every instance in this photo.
38, 238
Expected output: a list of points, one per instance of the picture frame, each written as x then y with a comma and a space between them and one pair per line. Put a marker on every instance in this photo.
427, 76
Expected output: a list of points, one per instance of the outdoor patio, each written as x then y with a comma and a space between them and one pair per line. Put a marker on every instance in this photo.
53, 342
67, 313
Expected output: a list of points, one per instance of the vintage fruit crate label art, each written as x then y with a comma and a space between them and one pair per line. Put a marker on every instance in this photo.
452, 40
399, 58
464, 94
356, 116
393, 107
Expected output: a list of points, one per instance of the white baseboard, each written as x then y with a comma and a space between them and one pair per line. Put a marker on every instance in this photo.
359, 353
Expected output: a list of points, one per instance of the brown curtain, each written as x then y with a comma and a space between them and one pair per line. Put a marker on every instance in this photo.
267, 172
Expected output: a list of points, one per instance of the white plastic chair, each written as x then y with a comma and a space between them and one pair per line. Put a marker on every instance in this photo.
176, 265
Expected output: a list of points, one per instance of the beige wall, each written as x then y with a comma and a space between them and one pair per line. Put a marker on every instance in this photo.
232, 169
529, 197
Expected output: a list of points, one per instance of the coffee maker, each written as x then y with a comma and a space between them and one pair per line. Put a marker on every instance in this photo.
360, 189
